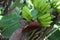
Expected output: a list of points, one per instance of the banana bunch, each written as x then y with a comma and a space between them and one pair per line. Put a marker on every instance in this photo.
41, 5
45, 19
26, 13
44, 16
56, 5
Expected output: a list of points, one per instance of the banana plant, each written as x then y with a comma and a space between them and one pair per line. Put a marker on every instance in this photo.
44, 16
41, 18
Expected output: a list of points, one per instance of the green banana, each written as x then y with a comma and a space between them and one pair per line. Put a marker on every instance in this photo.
56, 5
46, 23
47, 9
26, 13
41, 5
36, 4
46, 20
44, 16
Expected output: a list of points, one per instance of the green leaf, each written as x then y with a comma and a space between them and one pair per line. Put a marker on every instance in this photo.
8, 20
34, 12
7, 32
55, 36
0, 11
10, 23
